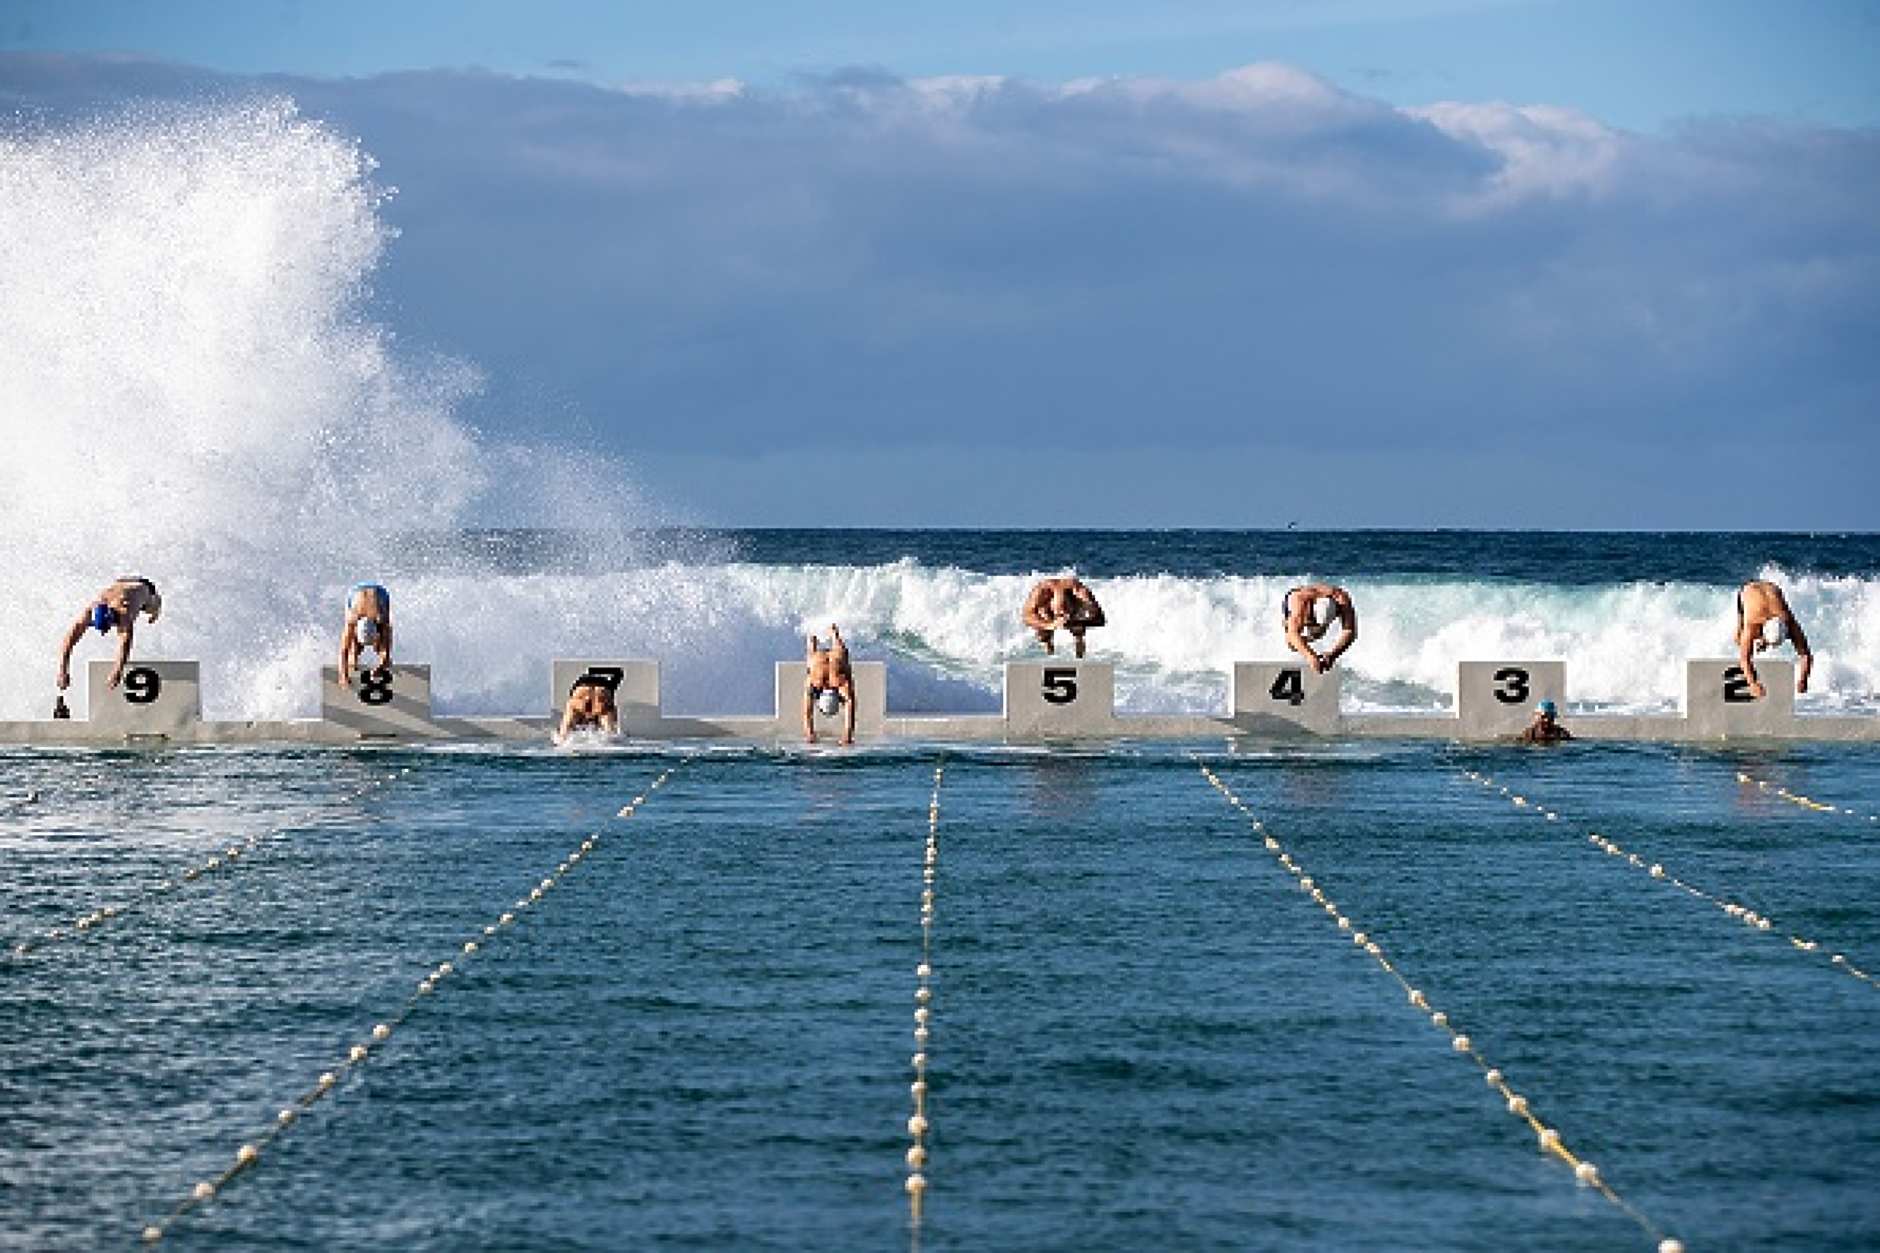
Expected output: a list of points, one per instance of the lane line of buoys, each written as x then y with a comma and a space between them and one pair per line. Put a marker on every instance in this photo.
1805, 802
1549, 1138
249, 1154
222, 860
1751, 918
917, 1125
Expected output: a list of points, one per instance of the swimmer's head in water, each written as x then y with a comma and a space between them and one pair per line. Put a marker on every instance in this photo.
366, 631
829, 701
1548, 708
1774, 631
103, 617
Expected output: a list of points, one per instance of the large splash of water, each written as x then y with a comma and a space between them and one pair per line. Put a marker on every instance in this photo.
195, 389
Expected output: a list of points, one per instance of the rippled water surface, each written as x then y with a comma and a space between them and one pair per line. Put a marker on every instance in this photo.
1145, 1033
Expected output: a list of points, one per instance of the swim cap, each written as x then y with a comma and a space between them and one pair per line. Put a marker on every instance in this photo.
1324, 609
103, 617
366, 630
829, 701
1774, 631
1548, 707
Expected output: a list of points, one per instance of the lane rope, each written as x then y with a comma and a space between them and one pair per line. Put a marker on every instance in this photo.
1751, 918
1804, 801
249, 1154
1549, 1138
917, 1124
79, 927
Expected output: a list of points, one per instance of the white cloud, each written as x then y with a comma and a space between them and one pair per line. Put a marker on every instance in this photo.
1207, 269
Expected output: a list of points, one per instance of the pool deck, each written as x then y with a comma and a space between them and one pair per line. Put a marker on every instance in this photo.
1045, 701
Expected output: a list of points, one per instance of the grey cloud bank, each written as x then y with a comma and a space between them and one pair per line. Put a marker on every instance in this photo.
1242, 301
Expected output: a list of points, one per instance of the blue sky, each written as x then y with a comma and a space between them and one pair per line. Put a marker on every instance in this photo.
1363, 263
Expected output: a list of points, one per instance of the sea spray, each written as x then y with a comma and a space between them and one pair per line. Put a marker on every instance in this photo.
196, 390
195, 386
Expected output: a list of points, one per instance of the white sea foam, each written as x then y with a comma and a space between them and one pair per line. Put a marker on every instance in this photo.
193, 387
195, 390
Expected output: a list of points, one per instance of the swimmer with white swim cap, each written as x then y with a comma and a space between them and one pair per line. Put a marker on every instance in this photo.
1308, 614
1764, 620
115, 608
829, 686
368, 625
1062, 604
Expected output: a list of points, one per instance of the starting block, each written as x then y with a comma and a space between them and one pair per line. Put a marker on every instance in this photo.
635, 684
1284, 697
1053, 699
396, 704
153, 698
1497, 698
871, 700
1717, 699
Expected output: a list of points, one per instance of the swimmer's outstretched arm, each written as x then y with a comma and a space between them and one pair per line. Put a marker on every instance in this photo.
72, 637
125, 633
1804, 657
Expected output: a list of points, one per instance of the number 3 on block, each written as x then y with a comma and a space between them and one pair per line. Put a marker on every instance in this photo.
1060, 685
375, 687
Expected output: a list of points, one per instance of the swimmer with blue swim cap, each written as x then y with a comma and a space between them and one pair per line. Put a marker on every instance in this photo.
1545, 729
1308, 614
1764, 620
829, 686
368, 625
115, 608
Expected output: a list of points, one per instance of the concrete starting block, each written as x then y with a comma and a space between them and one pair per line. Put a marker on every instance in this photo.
1284, 697
1059, 699
871, 701
396, 705
154, 698
635, 684
1717, 700
1497, 698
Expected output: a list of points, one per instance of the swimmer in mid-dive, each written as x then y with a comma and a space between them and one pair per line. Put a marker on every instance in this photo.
1308, 612
1061, 604
1764, 620
368, 625
590, 704
117, 607
1546, 728
829, 685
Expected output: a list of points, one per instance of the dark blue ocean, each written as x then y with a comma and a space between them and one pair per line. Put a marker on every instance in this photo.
693, 1026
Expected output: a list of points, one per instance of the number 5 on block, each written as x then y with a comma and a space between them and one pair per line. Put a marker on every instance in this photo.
1048, 700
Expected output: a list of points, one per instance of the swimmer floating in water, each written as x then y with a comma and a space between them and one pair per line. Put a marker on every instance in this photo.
368, 625
1062, 604
829, 686
1546, 728
116, 607
1764, 620
1308, 612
